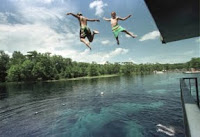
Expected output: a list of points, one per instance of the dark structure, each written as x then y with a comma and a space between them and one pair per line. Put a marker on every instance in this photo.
190, 105
175, 19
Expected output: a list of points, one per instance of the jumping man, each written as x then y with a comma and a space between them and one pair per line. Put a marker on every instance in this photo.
117, 28
84, 30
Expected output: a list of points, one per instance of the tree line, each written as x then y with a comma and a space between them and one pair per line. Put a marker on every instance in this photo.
42, 66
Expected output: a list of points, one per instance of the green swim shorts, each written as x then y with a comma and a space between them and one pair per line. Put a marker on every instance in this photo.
85, 32
116, 29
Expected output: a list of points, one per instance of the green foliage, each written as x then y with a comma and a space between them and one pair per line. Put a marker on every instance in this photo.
68, 72
93, 70
44, 69
36, 66
17, 58
4, 60
127, 68
27, 68
194, 63
15, 73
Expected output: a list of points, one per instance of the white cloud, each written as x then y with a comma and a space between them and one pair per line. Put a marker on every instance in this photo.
38, 33
36, 1
131, 60
89, 56
41, 14
189, 53
46, 1
30, 13
43, 39
98, 5
150, 36
100, 57
8, 53
118, 51
165, 58
3, 18
107, 56
105, 42
32, 37
38, 29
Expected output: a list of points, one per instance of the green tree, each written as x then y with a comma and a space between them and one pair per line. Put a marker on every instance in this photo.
15, 73
68, 72
93, 70
58, 63
44, 69
27, 68
32, 55
17, 58
4, 60
127, 68
195, 63
36, 66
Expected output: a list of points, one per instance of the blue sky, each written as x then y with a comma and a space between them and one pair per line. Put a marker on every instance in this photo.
41, 25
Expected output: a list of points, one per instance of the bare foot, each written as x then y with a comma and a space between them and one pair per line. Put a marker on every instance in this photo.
134, 36
95, 32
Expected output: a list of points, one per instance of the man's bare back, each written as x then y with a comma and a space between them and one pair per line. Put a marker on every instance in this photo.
83, 21
84, 30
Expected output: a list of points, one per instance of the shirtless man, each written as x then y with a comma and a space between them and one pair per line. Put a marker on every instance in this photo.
117, 28
84, 30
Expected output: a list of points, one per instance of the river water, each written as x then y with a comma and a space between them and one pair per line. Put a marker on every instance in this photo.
124, 106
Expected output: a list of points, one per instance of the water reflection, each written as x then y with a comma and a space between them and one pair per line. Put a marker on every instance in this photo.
3, 92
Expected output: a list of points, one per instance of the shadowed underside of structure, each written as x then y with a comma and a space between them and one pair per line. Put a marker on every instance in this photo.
175, 19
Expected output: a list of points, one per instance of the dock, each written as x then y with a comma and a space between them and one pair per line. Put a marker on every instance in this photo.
190, 105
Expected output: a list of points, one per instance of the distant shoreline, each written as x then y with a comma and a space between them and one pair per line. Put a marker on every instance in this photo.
82, 78
67, 79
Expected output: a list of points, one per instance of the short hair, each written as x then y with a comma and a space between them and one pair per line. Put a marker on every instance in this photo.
79, 13
113, 13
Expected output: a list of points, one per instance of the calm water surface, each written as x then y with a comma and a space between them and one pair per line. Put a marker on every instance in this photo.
130, 107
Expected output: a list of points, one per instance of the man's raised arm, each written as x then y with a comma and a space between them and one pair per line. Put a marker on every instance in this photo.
93, 20
124, 18
73, 14
106, 19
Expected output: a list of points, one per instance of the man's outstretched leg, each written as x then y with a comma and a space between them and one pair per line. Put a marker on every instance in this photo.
117, 40
130, 34
91, 37
86, 43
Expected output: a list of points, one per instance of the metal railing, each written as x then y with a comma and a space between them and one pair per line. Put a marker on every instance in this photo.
183, 81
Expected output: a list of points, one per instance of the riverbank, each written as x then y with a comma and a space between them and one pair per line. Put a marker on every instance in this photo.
67, 79
83, 78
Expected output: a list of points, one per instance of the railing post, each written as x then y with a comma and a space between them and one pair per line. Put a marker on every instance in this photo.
196, 85
181, 86
190, 87
197, 91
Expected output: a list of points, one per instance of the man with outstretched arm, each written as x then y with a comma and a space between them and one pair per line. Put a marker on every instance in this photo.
84, 29
117, 28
